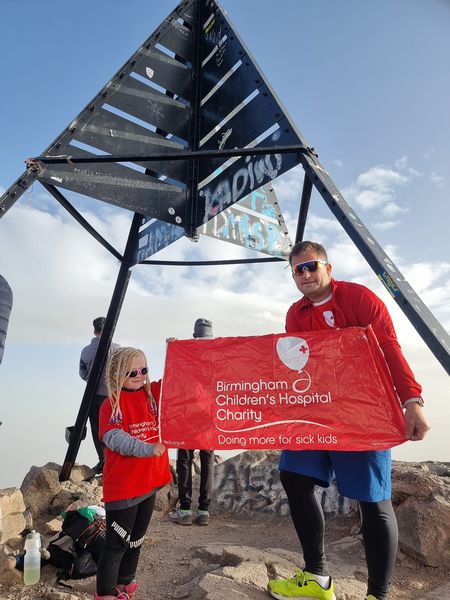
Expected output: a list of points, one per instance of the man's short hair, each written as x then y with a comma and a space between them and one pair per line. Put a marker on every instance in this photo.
203, 329
98, 323
304, 247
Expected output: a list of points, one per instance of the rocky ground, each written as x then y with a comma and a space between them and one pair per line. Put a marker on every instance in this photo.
212, 563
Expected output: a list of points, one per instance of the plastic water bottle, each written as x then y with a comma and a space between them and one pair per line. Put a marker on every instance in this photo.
32, 561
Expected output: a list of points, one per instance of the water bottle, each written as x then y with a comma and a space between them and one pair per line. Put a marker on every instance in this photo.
32, 561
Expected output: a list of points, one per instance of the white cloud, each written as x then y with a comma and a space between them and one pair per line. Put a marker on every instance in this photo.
337, 163
402, 163
437, 178
377, 189
380, 178
391, 210
385, 225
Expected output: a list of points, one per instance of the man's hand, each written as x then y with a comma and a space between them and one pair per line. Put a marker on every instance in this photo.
171, 339
417, 425
158, 450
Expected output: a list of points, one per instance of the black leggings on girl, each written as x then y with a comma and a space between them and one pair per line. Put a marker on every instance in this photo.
379, 530
125, 531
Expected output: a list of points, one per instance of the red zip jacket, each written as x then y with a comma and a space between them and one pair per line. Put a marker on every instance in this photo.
355, 305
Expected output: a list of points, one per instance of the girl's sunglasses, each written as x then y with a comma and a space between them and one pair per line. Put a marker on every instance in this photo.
136, 372
309, 265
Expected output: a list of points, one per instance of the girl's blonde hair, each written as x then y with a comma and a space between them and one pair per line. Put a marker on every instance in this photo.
117, 369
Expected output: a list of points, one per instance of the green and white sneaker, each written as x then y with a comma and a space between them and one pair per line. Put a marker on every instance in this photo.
203, 517
302, 585
182, 517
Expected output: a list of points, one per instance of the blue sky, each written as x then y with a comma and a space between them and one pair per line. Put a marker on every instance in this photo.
368, 85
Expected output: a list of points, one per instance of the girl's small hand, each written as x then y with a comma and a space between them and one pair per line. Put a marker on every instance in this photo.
158, 450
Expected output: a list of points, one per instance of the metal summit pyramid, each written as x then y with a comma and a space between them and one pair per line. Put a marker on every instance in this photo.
192, 86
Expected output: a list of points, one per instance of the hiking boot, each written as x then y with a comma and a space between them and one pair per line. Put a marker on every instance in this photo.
302, 585
127, 592
203, 517
182, 517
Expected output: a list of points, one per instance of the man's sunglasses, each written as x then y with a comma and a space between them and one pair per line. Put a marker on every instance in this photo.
136, 372
309, 265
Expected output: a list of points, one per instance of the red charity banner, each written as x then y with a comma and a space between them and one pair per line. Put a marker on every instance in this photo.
304, 391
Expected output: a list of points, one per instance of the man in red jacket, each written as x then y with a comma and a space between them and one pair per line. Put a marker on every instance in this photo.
364, 476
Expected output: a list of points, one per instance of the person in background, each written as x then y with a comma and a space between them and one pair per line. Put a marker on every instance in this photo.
6, 301
86, 361
183, 514
328, 304
136, 466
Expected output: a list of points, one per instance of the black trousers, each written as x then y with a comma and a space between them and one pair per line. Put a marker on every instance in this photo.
94, 421
379, 530
125, 531
184, 473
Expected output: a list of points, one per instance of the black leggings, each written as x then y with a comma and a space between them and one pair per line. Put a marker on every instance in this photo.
379, 530
125, 531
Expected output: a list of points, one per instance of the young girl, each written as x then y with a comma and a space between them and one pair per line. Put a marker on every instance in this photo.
136, 466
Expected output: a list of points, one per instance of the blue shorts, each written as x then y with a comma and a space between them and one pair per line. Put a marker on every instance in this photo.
364, 476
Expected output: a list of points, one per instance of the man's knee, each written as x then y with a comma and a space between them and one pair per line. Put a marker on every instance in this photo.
295, 483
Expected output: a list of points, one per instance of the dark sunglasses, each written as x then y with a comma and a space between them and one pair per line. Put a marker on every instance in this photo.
309, 265
136, 372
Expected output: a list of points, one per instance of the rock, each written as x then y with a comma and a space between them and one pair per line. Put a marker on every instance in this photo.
349, 588
415, 479
13, 516
235, 555
81, 473
424, 529
40, 486
83, 586
248, 573
215, 587
52, 527
249, 482
11, 526
75, 495
11, 501
212, 551
57, 595
439, 593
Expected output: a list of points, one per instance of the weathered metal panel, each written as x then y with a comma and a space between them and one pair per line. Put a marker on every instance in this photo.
118, 185
113, 134
135, 98
252, 120
154, 237
186, 11
254, 222
234, 179
178, 39
235, 88
165, 71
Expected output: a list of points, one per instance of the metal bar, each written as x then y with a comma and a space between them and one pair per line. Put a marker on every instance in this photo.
426, 324
13, 193
198, 263
304, 207
81, 220
103, 347
195, 125
191, 155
